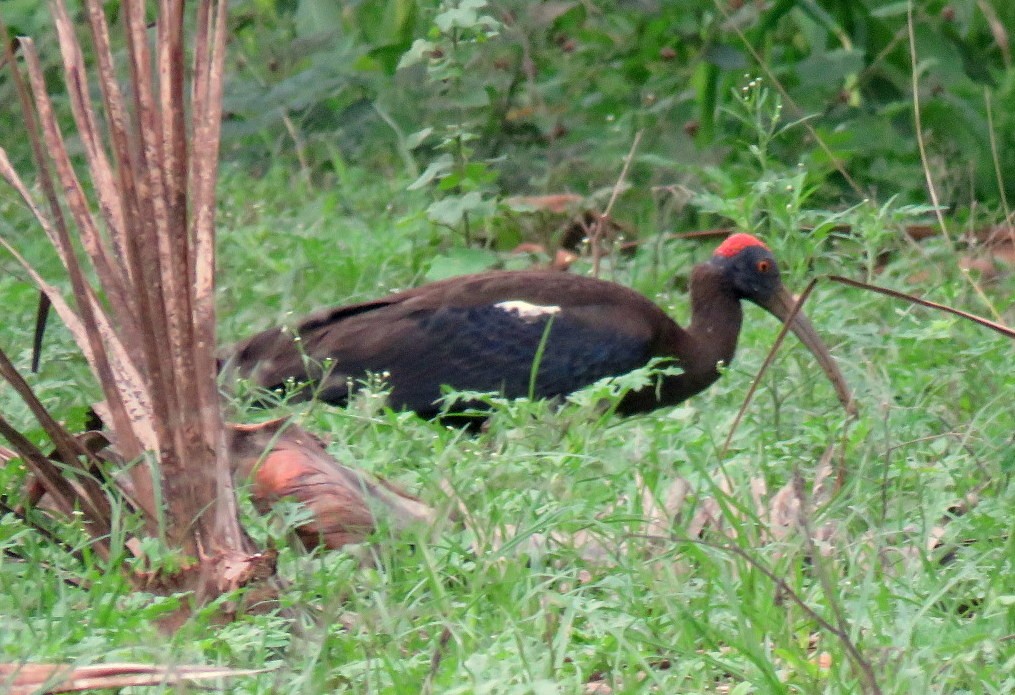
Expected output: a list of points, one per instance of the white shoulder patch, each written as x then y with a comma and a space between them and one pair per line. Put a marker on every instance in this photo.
527, 311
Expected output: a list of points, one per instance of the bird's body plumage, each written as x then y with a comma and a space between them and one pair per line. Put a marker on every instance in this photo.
477, 333
484, 332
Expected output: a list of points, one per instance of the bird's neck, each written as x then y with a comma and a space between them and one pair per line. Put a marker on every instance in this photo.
715, 316
710, 338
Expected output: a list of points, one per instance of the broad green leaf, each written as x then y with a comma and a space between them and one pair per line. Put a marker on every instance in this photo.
417, 53
461, 261
438, 168
451, 210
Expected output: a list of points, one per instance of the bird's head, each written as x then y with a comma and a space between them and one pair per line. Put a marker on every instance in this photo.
750, 267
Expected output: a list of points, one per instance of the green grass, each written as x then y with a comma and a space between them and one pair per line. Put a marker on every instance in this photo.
508, 611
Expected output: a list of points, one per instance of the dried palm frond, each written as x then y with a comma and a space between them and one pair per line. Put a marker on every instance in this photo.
146, 324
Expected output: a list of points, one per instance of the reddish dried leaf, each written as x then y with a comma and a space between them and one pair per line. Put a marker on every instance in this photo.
558, 204
562, 260
283, 461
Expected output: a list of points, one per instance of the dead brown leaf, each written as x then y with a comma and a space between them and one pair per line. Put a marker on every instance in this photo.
284, 461
562, 259
993, 254
558, 203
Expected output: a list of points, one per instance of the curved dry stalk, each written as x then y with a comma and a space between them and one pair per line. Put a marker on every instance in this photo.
596, 235
925, 161
91, 500
986, 323
769, 358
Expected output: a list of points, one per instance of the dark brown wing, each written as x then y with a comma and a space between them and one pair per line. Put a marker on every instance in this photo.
473, 333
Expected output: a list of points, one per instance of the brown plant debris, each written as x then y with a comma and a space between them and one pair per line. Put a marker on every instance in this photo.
40, 678
133, 226
282, 460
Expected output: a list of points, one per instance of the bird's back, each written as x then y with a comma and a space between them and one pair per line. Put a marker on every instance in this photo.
480, 332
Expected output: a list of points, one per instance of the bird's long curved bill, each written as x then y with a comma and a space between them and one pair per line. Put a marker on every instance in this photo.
781, 306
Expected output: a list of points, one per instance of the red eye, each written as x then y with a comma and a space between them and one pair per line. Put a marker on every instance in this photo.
764, 266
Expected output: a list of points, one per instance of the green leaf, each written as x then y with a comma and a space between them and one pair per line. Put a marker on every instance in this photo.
451, 210
438, 168
414, 140
418, 52
461, 261
457, 17
318, 16
726, 57
826, 70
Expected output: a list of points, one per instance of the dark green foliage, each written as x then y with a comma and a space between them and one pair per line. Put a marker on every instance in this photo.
546, 97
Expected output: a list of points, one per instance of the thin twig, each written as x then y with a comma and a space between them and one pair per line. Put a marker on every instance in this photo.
992, 325
89, 496
299, 146
827, 586
595, 238
769, 358
925, 162
917, 121
435, 661
994, 155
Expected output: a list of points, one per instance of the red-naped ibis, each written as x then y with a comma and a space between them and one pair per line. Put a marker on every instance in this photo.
483, 332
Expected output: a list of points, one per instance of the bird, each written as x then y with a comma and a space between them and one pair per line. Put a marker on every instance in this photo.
526, 333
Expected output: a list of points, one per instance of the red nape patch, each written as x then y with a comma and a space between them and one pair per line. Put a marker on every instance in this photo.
736, 243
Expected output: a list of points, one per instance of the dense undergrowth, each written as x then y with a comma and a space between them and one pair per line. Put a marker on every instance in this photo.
541, 579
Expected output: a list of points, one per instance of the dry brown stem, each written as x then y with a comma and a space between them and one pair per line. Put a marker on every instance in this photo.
147, 325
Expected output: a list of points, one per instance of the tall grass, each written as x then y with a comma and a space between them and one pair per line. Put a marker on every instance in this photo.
544, 584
